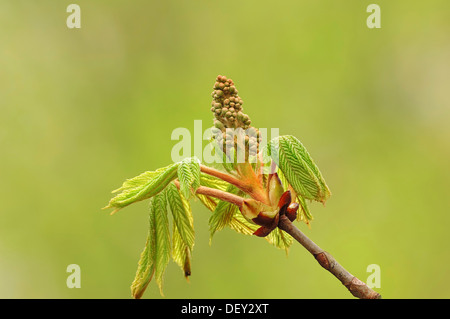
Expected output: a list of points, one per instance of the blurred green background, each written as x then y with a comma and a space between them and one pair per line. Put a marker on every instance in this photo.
83, 109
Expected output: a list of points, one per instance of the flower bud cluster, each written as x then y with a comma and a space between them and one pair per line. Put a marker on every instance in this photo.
228, 113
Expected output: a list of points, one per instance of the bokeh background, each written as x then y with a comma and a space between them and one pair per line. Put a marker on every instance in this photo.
82, 110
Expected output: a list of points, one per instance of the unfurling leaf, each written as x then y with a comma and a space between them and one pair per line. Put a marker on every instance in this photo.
163, 248
299, 169
183, 228
189, 176
181, 213
143, 186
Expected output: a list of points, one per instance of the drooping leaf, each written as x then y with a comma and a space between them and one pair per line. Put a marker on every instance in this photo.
146, 265
182, 214
143, 186
181, 253
163, 247
183, 230
298, 167
189, 176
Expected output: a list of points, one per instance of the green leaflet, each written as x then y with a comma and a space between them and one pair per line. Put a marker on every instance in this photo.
208, 201
304, 214
162, 236
143, 186
181, 253
146, 265
213, 182
280, 239
298, 168
189, 176
182, 215
241, 225
183, 229
223, 214
277, 237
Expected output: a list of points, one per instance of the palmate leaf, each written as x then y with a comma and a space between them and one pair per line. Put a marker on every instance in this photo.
298, 167
189, 176
143, 186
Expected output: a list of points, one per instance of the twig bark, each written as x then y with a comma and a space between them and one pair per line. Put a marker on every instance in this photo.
356, 287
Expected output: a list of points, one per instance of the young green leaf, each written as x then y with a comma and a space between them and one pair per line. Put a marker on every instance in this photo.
280, 239
143, 186
213, 182
181, 253
223, 214
181, 213
183, 229
208, 201
146, 265
298, 167
189, 176
163, 247
241, 225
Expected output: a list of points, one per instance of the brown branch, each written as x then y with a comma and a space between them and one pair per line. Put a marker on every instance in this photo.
208, 191
356, 287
